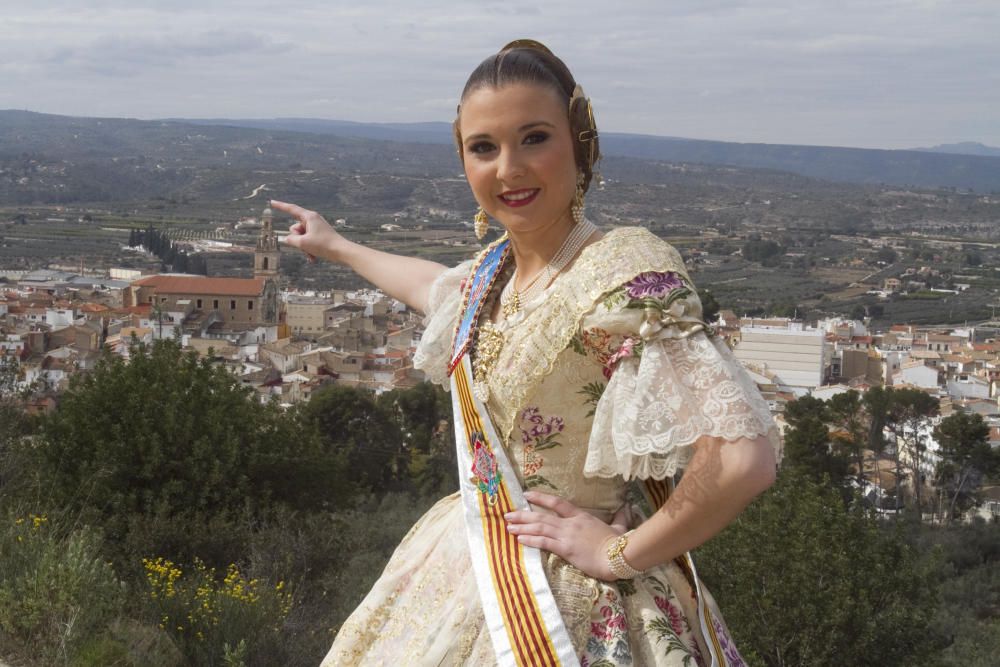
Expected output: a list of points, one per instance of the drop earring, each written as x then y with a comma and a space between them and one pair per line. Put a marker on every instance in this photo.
481, 223
576, 208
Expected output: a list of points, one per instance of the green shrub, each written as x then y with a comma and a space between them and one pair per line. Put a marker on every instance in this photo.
167, 453
805, 580
217, 622
55, 590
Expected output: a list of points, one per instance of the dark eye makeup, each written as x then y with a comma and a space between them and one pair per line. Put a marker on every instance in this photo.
481, 147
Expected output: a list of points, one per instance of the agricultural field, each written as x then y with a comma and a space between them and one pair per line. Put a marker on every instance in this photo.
762, 241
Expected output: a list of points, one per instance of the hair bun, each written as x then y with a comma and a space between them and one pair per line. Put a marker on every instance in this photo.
527, 44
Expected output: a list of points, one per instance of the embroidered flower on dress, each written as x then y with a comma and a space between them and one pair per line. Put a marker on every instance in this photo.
672, 613
597, 341
653, 284
532, 461
628, 347
733, 656
538, 433
538, 430
612, 625
531, 414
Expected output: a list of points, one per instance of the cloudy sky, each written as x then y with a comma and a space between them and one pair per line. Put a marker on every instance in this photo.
872, 73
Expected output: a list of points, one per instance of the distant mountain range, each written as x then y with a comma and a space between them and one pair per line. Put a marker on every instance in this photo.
964, 148
309, 141
964, 165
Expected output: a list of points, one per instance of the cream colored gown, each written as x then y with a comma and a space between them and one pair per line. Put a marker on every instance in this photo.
607, 376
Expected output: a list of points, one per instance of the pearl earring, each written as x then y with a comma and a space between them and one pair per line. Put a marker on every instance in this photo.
481, 223
576, 208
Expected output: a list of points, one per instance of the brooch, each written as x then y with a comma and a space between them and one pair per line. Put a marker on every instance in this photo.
485, 469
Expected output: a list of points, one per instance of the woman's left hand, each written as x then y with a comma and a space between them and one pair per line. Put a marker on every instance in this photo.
577, 536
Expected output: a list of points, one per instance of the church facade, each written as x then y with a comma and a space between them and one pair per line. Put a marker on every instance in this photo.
238, 301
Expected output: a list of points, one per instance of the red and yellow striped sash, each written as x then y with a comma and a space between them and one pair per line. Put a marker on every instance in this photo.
519, 607
656, 493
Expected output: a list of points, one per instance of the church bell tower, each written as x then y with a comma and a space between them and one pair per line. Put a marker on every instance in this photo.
267, 256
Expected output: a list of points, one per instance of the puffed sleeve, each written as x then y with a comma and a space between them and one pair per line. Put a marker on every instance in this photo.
671, 381
445, 297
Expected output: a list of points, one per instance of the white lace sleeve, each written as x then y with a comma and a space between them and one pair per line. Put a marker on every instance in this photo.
671, 383
443, 301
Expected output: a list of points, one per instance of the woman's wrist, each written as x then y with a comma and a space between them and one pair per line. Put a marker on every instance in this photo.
340, 250
615, 553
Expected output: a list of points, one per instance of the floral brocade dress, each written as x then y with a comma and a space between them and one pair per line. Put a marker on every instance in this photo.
609, 375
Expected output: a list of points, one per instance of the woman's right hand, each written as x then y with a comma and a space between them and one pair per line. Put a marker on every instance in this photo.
407, 279
310, 232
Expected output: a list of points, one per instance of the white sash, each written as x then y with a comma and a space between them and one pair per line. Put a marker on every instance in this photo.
521, 613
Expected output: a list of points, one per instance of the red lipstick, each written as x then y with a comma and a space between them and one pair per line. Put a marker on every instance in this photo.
522, 197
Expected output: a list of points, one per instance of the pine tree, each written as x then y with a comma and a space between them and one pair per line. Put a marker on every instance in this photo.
966, 457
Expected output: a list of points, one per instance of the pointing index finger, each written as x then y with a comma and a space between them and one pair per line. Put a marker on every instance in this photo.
291, 209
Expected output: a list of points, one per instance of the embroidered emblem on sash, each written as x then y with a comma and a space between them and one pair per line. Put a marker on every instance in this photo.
485, 468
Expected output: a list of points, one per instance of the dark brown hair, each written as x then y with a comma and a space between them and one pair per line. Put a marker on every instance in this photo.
525, 61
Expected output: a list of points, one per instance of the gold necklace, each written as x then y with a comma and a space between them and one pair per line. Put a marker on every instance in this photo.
491, 337
511, 298
512, 304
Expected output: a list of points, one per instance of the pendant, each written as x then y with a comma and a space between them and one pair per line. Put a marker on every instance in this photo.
513, 304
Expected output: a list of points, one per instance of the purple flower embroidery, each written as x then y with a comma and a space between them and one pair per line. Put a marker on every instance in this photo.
653, 284
539, 429
728, 646
531, 414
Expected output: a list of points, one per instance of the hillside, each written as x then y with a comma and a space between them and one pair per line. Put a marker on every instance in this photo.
956, 166
48, 159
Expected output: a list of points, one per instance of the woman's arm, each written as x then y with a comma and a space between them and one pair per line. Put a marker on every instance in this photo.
405, 278
719, 482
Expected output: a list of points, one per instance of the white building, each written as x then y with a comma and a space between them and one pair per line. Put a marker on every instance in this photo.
917, 374
794, 355
929, 452
60, 317
968, 386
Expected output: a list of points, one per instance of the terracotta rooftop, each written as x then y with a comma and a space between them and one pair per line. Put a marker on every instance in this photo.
945, 338
138, 309
127, 332
200, 285
960, 358
93, 308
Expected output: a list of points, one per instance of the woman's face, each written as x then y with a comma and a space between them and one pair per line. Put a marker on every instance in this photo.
518, 155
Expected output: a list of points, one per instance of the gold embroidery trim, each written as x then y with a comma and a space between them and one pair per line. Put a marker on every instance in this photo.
605, 265
489, 345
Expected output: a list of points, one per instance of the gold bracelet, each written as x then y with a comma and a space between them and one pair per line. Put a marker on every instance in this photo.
616, 558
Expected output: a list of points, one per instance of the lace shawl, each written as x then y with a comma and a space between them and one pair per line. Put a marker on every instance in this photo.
672, 381
443, 302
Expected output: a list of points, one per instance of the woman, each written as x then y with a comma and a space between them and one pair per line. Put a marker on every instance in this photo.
584, 378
